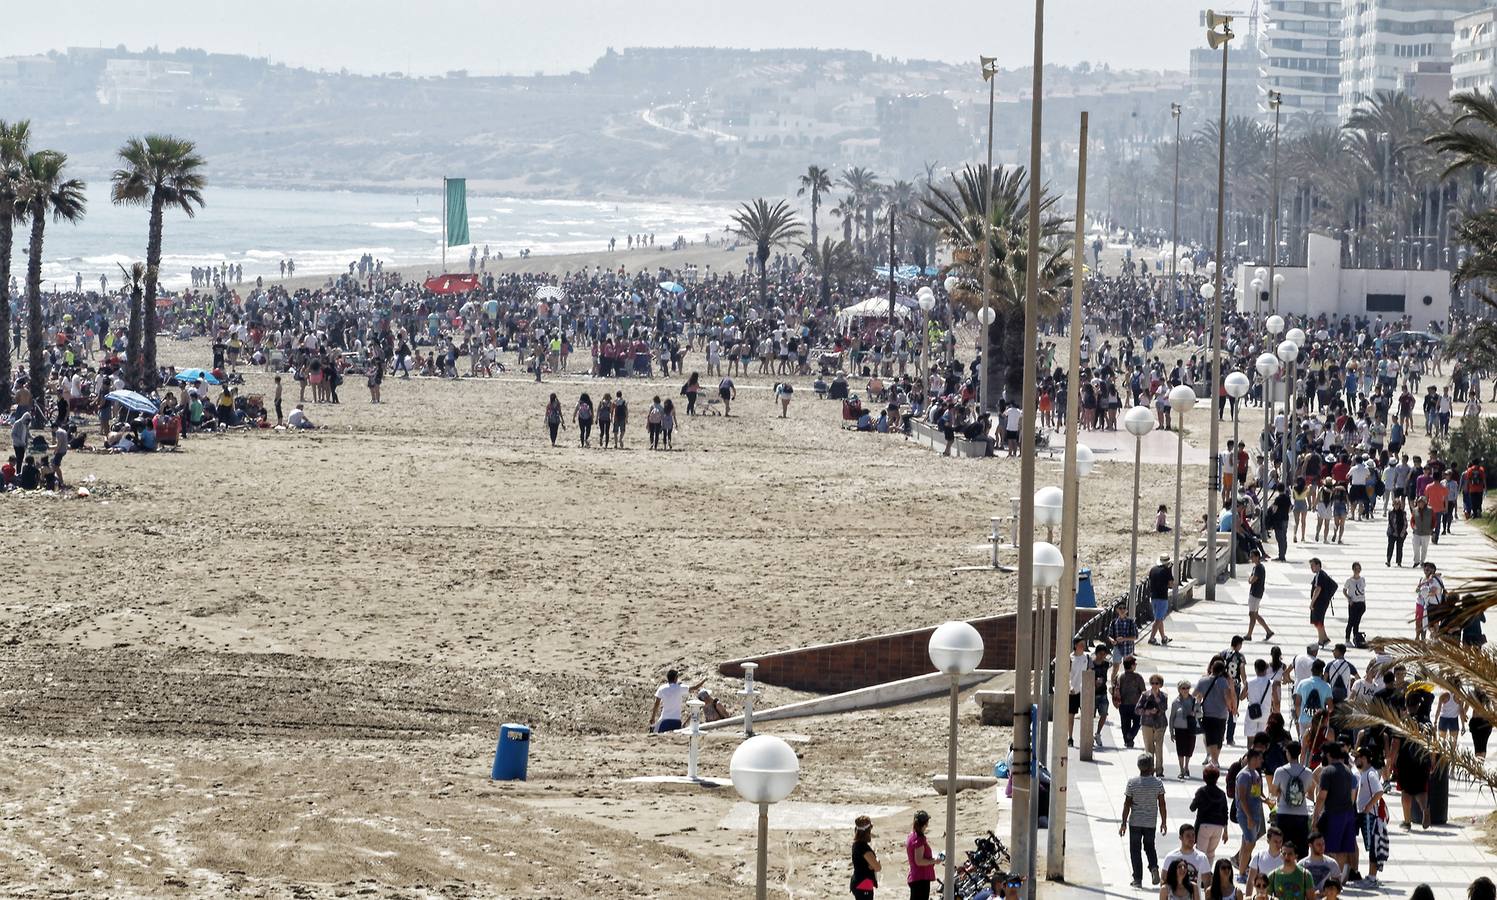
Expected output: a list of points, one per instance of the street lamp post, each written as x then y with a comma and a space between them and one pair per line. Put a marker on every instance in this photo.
1217, 38
1288, 352
1139, 421
1175, 218
1049, 511
1268, 367
1237, 386
1022, 845
989, 70
764, 771
1182, 400
955, 649
927, 301
1049, 566
1275, 99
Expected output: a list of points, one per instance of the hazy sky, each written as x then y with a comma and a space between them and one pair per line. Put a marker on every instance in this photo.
494, 36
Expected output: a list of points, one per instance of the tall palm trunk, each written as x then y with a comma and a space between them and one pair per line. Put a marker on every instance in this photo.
135, 371
763, 279
815, 202
7, 238
34, 305
148, 315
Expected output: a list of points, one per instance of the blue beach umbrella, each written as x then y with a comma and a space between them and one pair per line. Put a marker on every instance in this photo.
132, 401
672, 286
188, 376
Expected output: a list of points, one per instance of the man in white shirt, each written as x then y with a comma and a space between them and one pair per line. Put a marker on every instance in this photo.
1304, 662
1260, 692
670, 702
1013, 421
1188, 852
1269, 858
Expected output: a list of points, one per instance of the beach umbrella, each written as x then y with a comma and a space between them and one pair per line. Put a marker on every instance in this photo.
132, 401
188, 376
549, 292
672, 286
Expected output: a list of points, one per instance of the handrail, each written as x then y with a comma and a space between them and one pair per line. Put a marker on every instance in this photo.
1143, 610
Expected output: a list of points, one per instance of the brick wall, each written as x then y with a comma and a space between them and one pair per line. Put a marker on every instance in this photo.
849, 665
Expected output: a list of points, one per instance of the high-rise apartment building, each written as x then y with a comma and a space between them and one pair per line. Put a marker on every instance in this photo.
1301, 59
1381, 40
1474, 62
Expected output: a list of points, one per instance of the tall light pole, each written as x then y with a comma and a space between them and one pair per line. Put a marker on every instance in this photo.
1237, 386
955, 649
1065, 625
764, 770
1217, 38
1182, 399
1275, 100
1139, 421
1268, 367
1288, 351
1022, 838
989, 69
1175, 219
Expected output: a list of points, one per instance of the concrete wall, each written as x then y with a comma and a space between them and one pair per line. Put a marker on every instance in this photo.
849, 665
1325, 288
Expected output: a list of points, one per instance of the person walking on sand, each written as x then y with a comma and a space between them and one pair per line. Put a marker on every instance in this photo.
605, 420
582, 415
865, 864
667, 713
728, 393
782, 393
553, 417
620, 419
922, 863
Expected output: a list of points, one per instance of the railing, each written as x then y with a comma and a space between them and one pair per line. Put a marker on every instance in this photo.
1143, 610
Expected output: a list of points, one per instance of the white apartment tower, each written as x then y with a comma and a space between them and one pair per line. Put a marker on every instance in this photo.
1474, 66
1384, 39
1301, 59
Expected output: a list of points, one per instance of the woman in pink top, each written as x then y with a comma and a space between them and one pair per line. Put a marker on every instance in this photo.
922, 863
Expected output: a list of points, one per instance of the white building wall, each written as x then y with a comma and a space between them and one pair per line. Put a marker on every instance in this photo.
1383, 39
1301, 58
1474, 50
1323, 287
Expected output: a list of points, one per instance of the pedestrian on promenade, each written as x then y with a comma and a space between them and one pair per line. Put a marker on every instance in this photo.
1153, 717
1422, 523
1276, 517
1336, 809
1370, 812
1218, 699
1211, 808
1143, 811
1269, 858
1429, 593
1322, 592
1258, 706
1355, 591
1161, 580
1237, 675
1100, 666
1199, 863
1289, 787
1256, 580
1185, 715
1398, 531
1252, 818
1122, 633
1128, 690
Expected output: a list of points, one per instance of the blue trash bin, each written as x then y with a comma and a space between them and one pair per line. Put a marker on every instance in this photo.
512, 756
1086, 598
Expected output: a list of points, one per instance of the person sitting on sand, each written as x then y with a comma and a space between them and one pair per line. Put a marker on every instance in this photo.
712, 708
298, 419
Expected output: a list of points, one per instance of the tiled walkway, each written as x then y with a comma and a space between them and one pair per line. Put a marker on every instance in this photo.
1445, 857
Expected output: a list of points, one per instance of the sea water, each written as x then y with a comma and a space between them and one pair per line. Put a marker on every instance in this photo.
324, 231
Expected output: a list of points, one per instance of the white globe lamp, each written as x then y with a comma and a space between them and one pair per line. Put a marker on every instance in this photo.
1297, 335
1049, 564
1085, 460
1236, 385
1139, 421
1182, 398
1288, 351
1048, 505
955, 648
951, 283
1275, 325
764, 771
1267, 365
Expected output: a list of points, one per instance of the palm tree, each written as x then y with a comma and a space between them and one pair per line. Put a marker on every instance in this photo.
860, 183
845, 210
817, 182
835, 261
15, 141
134, 373
767, 226
45, 190
159, 171
1468, 673
958, 213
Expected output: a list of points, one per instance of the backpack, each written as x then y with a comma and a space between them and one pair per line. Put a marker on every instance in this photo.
1314, 701
1294, 791
1339, 689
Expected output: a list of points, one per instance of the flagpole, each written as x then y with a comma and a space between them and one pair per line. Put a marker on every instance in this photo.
444, 224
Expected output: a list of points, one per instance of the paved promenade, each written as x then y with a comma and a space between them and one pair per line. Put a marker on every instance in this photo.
1445, 857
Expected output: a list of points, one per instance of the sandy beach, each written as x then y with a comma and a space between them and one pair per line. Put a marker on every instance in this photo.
276, 663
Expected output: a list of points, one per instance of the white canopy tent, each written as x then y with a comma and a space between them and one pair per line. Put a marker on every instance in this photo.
876, 308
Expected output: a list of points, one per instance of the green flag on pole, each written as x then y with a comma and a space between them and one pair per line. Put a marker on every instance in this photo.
457, 211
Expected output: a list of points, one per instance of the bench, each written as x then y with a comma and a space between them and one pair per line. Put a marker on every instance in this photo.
928, 435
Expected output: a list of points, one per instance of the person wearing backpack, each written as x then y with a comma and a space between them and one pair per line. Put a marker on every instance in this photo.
1340, 673
1290, 788
1237, 675
1322, 592
1310, 698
